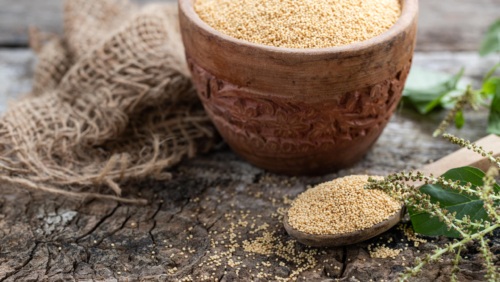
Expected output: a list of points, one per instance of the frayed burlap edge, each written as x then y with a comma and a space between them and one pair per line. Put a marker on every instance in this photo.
111, 102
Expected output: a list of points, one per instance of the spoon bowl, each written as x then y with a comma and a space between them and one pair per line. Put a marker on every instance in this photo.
342, 239
459, 158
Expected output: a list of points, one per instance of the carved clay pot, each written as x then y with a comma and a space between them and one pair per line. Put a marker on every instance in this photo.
299, 111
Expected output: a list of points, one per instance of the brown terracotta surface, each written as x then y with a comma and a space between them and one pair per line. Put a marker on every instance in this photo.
299, 111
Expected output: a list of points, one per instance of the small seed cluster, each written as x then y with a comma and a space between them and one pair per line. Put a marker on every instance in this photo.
263, 249
411, 236
341, 206
383, 252
300, 23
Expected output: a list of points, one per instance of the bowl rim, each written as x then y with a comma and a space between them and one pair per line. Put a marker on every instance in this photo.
408, 14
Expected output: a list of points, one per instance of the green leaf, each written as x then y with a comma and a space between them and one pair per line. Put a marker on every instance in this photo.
494, 118
459, 119
491, 42
490, 86
425, 89
452, 201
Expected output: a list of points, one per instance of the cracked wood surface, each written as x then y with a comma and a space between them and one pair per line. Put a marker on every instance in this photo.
184, 232
445, 25
179, 234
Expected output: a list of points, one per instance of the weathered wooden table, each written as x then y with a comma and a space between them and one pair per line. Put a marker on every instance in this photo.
219, 218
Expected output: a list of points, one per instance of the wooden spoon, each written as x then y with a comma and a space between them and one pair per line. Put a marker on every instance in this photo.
462, 157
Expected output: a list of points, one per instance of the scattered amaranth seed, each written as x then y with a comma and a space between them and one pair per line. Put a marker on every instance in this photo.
411, 236
383, 252
341, 206
300, 23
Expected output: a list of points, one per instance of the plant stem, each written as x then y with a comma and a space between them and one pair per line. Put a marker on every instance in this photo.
440, 252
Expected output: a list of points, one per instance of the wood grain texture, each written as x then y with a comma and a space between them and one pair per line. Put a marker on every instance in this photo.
454, 25
16, 16
46, 237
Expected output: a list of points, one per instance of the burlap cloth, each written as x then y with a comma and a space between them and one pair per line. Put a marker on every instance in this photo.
112, 101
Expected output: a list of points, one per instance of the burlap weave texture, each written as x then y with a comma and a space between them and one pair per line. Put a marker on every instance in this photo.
112, 101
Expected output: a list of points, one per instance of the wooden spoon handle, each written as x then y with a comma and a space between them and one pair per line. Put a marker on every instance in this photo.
465, 157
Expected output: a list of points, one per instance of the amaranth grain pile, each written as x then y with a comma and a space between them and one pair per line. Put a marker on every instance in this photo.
300, 23
340, 206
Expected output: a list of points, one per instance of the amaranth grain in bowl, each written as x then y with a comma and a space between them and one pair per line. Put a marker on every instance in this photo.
300, 23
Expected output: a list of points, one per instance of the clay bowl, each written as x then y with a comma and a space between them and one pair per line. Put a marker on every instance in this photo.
299, 111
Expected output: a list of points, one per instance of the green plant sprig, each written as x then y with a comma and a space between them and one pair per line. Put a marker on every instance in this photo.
399, 185
473, 147
427, 91
456, 263
463, 203
456, 113
453, 248
395, 185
